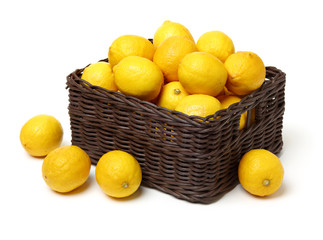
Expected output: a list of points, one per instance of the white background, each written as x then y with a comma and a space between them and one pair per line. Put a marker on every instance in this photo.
43, 41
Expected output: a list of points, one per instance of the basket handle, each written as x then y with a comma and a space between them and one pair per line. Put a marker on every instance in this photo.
248, 119
276, 82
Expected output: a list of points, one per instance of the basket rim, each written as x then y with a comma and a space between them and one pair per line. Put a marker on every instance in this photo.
274, 77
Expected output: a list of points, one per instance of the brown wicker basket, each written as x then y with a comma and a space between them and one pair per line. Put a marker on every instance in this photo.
189, 157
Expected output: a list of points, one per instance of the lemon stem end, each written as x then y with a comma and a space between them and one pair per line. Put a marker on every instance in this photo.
177, 91
266, 182
125, 185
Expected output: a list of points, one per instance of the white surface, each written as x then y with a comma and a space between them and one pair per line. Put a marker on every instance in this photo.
42, 42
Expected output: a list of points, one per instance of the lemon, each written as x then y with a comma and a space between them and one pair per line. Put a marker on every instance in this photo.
170, 52
171, 94
138, 77
100, 74
118, 174
41, 134
227, 92
154, 101
169, 29
260, 172
246, 72
202, 73
226, 101
198, 105
217, 43
66, 168
130, 45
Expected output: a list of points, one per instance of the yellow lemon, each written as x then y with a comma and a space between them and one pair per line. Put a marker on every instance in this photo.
130, 45
100, 74
171, 94
138, 77
41, 134
170, 52
66, 168
118, 174
169, 29
217, 43
154, 101
198, 105
226, 101
202, 73
260, 172
227, 92
246, 72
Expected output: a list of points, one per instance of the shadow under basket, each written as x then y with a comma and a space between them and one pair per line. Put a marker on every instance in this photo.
191, 158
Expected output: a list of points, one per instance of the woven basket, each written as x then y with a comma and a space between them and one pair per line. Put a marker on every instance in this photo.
191, 158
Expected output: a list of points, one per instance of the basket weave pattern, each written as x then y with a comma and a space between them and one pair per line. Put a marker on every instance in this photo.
191, 158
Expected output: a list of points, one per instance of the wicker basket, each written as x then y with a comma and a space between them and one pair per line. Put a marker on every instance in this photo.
191, 158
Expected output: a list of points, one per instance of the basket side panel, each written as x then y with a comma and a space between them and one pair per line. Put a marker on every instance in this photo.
266, 131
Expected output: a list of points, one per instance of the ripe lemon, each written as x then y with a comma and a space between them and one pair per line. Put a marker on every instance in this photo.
154, 101
118, 174
198, 105
130, 45
246, 72
226, 101
227, 92
217, 43
100, 74
41, 134
260, 172
169, 29
170, 52
138, 77
171, 94
66, 168
202, 73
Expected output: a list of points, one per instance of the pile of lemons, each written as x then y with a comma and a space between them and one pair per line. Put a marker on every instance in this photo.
175, 72
171, 71
66, 168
